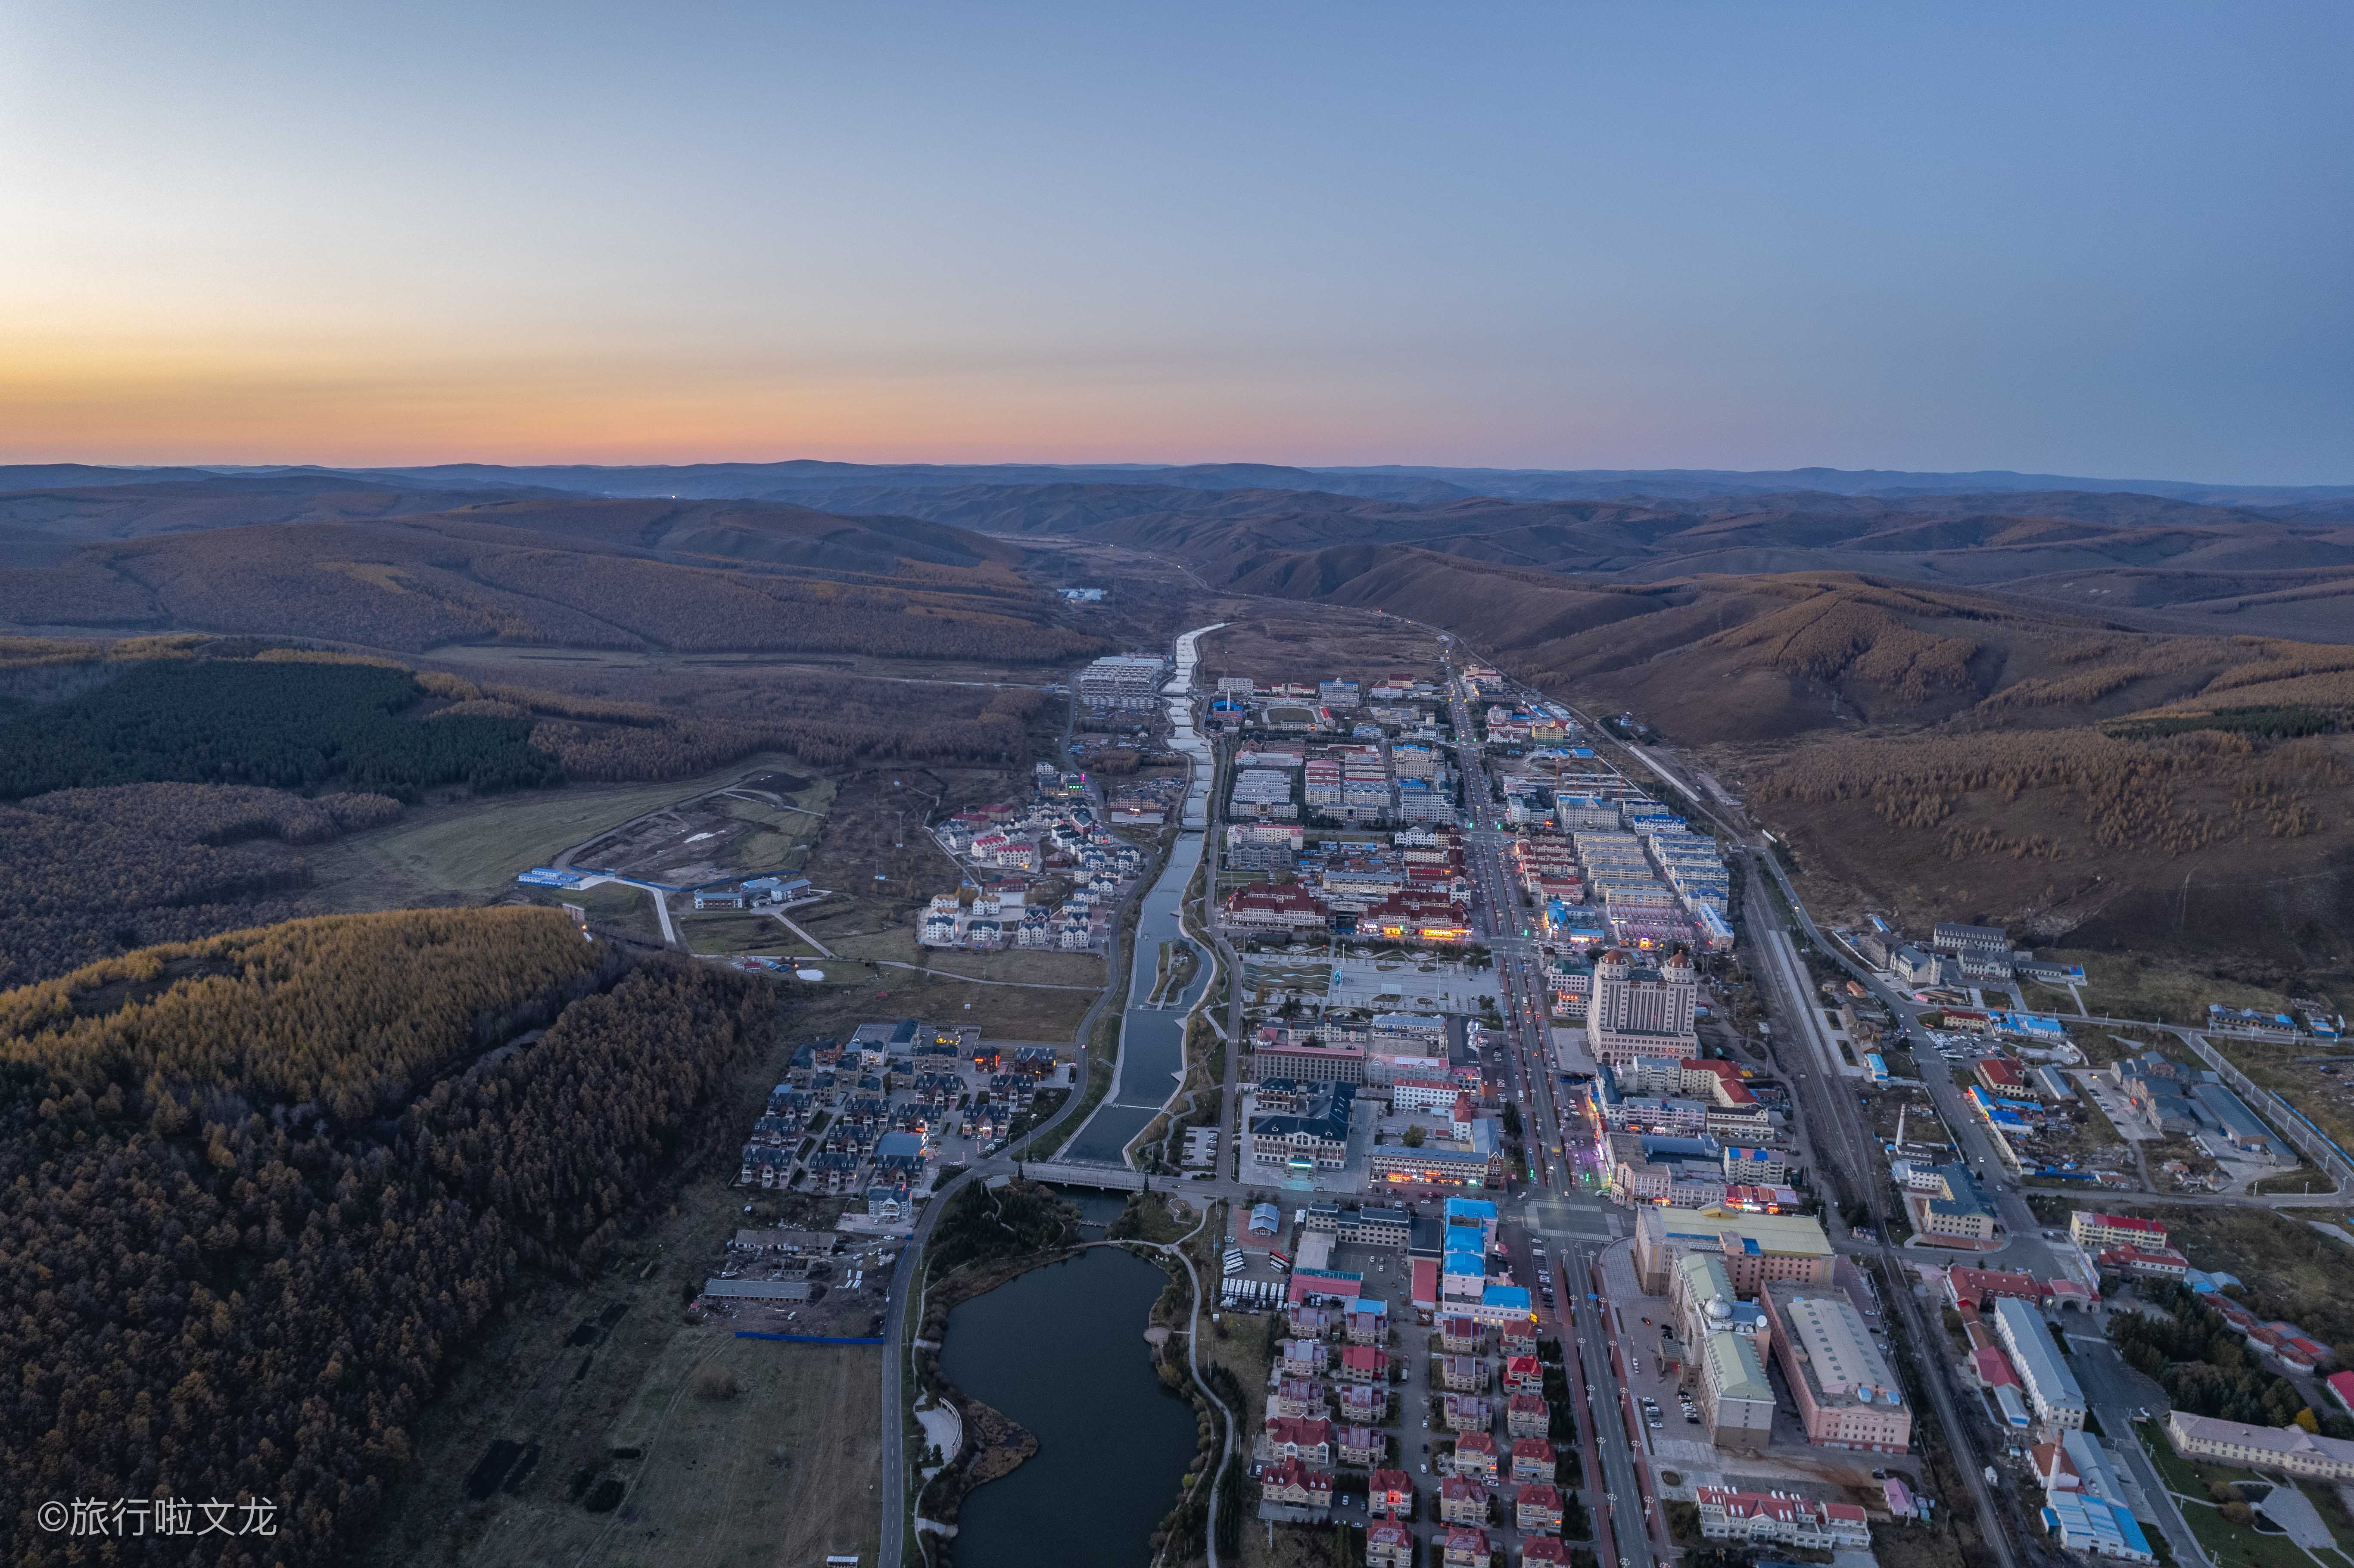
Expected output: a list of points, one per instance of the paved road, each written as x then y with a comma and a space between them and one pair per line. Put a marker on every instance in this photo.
2116, 1394
1570, 1225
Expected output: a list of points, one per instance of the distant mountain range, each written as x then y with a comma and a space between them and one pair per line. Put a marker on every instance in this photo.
2146, 554
789, 480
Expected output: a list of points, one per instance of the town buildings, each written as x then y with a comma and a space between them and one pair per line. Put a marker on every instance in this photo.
2289, 1449
1754, 1248
1776, 1519
1846, 1397
1640, 1012
1123, 680
2052, 1389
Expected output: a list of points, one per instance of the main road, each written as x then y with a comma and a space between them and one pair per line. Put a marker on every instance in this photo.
1571, 1228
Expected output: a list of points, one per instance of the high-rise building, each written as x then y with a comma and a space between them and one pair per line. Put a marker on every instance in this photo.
1636, 1011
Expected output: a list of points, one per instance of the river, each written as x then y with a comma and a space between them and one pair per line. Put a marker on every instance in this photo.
1061, 1351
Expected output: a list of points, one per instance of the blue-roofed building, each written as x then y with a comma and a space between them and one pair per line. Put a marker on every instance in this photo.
2092, 1524
1472, 1215
1505, 1304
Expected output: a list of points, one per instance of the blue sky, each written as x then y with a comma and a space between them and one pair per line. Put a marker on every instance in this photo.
2105, 240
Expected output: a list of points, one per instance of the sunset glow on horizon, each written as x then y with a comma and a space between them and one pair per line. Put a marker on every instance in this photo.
2106, 242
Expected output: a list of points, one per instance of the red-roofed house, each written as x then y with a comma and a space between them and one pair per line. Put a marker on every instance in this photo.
1517, 1338
2002, 1076
1463, 1547
1390, 1494
1293, 1484
1789, 1520
2163, 1263
1266, 908
2089, 1230
1543, 1551
1294, 1438
2054, 1467
1993, 1368
1538, 1508
1982, 1288
1389, 1545
1364, 1364
1475, 1455
1524, 1374
2342, 1388
1531, 1460
1721, 1081
1529, 1416
1462, 1501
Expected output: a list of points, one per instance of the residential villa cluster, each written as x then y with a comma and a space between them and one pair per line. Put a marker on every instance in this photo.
1012, 853
872, 1117
1495, 1406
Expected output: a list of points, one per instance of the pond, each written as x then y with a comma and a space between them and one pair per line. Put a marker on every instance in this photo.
1061, 1351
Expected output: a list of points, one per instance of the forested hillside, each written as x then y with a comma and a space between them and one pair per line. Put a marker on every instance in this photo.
261, 1189
86, 874
286, 723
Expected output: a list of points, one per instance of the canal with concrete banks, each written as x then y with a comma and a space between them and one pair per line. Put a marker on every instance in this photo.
1152, 1034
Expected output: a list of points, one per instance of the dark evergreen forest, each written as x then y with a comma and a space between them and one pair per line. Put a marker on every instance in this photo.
284, 724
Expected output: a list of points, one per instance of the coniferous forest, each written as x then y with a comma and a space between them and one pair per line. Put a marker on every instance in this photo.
285, 724
261, 1189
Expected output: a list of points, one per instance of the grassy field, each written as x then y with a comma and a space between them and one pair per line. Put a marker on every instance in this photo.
780, 839
855, 993
601, 1379
1309, 642
2291, 1272
472, 850
731, 931
2128, 985
629, 911
2232, 1545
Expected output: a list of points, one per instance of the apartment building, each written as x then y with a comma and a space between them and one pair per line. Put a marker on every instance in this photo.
1756, 1249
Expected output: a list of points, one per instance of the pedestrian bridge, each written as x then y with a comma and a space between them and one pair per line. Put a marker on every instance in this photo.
1065, 1173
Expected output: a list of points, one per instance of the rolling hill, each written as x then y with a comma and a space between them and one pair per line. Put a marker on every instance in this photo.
594, 574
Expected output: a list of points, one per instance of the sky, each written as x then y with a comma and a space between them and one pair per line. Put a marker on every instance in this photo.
2102, 239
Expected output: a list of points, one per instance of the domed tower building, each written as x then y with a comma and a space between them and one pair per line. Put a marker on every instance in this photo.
1638, 1011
